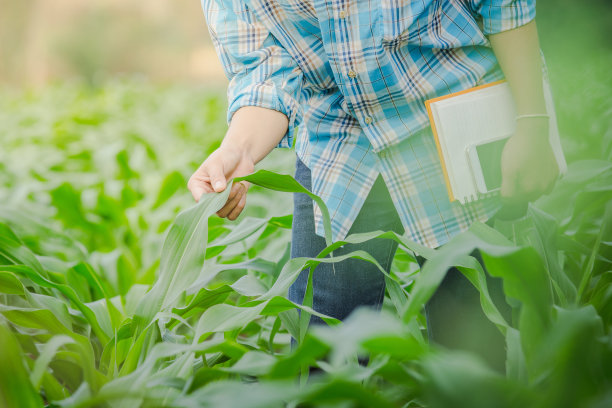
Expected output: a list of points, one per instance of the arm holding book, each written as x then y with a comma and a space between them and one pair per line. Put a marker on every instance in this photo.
529, 167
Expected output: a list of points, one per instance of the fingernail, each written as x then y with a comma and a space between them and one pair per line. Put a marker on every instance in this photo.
218, 185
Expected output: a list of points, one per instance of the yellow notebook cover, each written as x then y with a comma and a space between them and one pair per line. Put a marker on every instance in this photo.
435, 132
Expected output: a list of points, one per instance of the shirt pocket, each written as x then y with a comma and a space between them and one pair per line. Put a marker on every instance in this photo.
299, 10
440, 24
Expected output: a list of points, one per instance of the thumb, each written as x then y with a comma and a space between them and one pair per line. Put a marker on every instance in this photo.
217, 176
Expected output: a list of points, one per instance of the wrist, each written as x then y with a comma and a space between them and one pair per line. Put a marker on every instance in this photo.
532, 129
256, 131
237, 147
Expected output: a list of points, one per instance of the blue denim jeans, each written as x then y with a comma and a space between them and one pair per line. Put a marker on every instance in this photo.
453, 314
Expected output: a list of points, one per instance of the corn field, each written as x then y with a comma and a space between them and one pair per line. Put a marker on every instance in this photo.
116, 290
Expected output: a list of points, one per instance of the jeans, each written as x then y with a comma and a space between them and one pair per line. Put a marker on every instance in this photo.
454, 316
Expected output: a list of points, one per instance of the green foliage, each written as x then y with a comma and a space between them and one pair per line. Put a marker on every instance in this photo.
115, 290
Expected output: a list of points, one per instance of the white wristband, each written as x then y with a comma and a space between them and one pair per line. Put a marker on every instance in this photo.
533, 115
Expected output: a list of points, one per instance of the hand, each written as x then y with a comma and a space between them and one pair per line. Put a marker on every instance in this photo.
224, 163
529, 166
252, 134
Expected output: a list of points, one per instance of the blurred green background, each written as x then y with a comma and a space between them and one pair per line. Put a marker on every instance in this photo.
43, 41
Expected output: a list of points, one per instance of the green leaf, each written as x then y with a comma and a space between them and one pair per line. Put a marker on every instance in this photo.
171, 184
605, 234
35, 319
12, 249
16, 390
249, 285
340, 390
525, 279
227, 393
182, 256
67, 291
225, 317
67, 200
204, 299
515, 361
46, 355
544, 240
366, 329
476, 275
457, 379
253, 363
572, 357
246, 228
286, 183
582, 171
10, 284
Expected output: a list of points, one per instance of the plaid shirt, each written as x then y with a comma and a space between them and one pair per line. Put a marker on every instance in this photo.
354, 75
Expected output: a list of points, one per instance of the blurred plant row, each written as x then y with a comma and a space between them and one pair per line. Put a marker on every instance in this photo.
108, 298
42, 41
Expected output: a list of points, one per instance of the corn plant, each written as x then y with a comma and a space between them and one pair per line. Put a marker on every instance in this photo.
112, 296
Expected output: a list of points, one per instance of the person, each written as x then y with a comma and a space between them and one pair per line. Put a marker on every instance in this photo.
347, 79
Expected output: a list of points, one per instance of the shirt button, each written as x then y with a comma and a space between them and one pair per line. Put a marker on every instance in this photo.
343, 14
352, 74
368, 120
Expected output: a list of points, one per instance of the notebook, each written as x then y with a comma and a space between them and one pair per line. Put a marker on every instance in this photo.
470, 129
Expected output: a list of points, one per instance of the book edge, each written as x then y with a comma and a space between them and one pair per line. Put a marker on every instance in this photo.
435, 132
465, 91
439, 148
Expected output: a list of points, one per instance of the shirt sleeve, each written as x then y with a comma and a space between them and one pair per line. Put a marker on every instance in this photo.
503, 15
260, 70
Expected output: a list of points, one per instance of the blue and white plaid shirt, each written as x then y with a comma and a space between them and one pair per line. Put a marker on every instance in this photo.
354, 75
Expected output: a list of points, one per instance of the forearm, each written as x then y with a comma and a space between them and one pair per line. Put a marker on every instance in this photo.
256, 131
528, 163
518, 54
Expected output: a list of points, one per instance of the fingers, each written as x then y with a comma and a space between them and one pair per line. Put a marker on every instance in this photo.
208, 178
526, 188
238, 209
529, 189
217, 175
235, 203
521, 190
196, 193
518, 187
198, 184
232, 200
223, 164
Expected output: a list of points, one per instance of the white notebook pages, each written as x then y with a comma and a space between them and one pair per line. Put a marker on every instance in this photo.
462, 120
